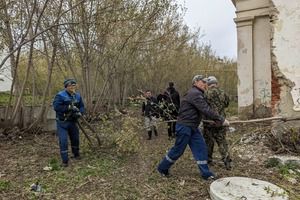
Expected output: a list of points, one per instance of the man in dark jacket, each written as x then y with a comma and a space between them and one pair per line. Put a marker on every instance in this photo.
69, 107
193, 106
169, 103
173, 101
150, 112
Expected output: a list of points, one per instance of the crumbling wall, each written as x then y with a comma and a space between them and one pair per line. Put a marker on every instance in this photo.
285, 19
276, 88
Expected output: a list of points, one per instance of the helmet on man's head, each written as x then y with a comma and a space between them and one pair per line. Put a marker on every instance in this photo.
212, 80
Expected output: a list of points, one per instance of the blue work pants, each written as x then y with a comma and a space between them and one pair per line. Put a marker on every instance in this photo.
186, 135
65, 129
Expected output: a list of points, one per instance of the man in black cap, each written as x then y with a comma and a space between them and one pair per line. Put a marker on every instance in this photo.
192, 108
69, 107
171, 108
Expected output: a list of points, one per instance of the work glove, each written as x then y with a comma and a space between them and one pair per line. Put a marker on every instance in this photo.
210, 123
226, 123
77, 115
73, 108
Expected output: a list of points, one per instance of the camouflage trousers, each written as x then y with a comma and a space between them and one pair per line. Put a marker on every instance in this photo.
218, 135
150, 123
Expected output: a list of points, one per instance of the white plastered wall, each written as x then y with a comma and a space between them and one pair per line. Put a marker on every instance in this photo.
286, 48
5, 76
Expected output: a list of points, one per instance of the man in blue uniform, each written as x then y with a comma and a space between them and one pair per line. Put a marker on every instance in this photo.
193, 106
69, 107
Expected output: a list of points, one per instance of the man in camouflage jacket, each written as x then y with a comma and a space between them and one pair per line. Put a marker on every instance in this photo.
218, 101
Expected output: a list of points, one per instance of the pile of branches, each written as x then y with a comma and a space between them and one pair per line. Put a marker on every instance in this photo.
285, 138
15, 133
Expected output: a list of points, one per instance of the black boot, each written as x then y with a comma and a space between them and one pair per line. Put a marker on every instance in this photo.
149, 135
155, 132
210, 162
174, 129
173, 135
227, 163
76, 157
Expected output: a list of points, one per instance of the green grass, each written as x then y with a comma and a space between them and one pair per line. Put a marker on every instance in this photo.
102, 166
54, 164
4, 185
92, 165
272, 162
120, 189
4, 98
285, 169
232, 109
28, 99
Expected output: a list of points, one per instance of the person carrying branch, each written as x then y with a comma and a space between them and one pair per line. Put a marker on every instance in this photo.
69, 106
218, 101
173, 104
169, 103
192, 109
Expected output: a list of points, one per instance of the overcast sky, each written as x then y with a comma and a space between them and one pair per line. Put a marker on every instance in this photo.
215, 19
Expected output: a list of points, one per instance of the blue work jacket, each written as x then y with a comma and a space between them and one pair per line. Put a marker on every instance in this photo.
62, 101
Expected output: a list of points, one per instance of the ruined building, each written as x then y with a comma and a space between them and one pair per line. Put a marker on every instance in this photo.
268, 34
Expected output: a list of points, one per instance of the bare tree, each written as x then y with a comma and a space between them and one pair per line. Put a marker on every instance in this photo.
112, 48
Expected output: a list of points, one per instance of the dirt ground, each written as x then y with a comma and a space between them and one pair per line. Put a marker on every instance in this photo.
107, 175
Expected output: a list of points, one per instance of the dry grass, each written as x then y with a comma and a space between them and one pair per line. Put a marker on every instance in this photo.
108, 175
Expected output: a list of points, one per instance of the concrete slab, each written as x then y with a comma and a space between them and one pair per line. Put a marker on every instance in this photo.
244, 188
287, 159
